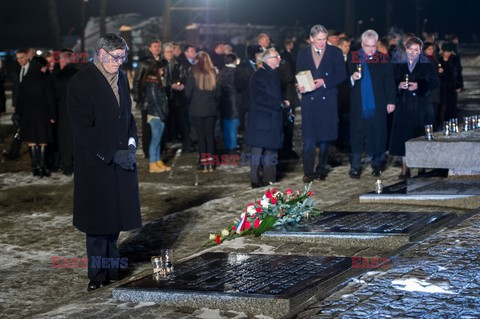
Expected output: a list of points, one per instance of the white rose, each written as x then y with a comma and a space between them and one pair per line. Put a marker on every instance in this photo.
212, 237
225, 232
251, 210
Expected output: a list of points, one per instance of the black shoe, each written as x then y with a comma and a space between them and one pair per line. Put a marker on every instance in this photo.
376, 172
354, 173
92, 285
322, 176
308, 178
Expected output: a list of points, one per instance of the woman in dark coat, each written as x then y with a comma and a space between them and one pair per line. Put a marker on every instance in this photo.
157, 113
64, 125
36, 109
229, 103
414, 107
451, 82
202, 91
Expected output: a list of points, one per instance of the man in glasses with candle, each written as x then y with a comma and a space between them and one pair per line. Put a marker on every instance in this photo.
106, 197
372, 97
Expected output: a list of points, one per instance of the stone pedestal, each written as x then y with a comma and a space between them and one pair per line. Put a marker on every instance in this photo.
460, 153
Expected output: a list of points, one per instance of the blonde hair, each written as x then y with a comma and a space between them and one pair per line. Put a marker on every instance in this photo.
204, 72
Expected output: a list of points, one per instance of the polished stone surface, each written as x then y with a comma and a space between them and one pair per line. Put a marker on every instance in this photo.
269, 284
426, 189
459, 152
392, 229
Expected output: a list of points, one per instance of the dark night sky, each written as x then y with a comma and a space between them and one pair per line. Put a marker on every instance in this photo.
21, 27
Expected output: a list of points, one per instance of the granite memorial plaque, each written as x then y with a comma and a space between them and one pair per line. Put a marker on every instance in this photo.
272, 285
425, 189
361, 229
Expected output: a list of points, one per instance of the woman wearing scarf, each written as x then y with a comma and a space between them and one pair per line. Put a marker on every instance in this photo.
373, 95
416, 78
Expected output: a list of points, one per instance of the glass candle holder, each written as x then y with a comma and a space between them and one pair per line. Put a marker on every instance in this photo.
429, 132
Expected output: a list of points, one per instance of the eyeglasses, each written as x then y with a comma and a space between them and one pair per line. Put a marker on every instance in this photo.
274, 57
117, 59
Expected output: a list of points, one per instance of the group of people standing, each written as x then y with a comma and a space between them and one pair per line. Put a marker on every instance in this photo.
387, 97
41, 116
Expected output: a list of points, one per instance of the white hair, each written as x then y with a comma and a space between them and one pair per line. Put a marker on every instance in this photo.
316, 29
370, 34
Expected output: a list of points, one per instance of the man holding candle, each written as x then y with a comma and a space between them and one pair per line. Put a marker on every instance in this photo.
372, 97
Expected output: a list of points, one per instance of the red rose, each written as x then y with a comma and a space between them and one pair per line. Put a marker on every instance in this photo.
310, 193
268, 194
259, 210
218, 240
234, 227
247, 225
273, 200
289, 191
256, 223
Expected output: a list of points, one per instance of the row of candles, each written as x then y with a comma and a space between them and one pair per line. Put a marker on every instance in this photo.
163, 265
451, 126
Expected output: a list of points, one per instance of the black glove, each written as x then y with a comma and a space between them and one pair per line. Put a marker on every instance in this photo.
132, 148
16, 119
125, 159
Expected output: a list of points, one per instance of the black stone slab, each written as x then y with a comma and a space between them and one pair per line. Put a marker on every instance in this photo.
392, 229
272, 285
426, 189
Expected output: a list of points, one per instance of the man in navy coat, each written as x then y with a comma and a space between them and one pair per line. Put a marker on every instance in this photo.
265, 119
319, 107
106, 197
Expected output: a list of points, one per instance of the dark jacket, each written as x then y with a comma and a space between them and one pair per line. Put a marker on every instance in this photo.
202, 103
319, 107
265, 122
36, 106
64, 125
243, 73
372, 132
139, 87
106, 197
229, 98
413, 109
156, 100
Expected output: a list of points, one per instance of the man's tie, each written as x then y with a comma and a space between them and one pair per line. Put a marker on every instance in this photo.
319, 52
22, 74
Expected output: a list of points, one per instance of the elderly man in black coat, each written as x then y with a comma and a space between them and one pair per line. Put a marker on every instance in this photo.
373, 95
106, 197
264, 130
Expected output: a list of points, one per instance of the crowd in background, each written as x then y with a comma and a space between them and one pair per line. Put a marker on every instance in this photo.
201, 99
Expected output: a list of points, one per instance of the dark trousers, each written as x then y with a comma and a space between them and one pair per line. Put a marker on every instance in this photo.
269, 167
102, 246
204, 127
378, 161
146, 133
288, 130
309, 157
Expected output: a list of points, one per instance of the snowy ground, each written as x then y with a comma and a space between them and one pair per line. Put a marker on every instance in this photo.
180, 208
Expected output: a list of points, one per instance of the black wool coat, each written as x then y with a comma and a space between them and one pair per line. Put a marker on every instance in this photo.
64, 125
319, 107
106, 197
372, 132
265, 118
413, 109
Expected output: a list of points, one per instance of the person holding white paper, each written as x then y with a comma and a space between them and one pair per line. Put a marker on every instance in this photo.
319, 107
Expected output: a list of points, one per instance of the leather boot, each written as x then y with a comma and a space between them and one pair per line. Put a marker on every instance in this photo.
32, 150
161, 164
154, 168
44, 171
